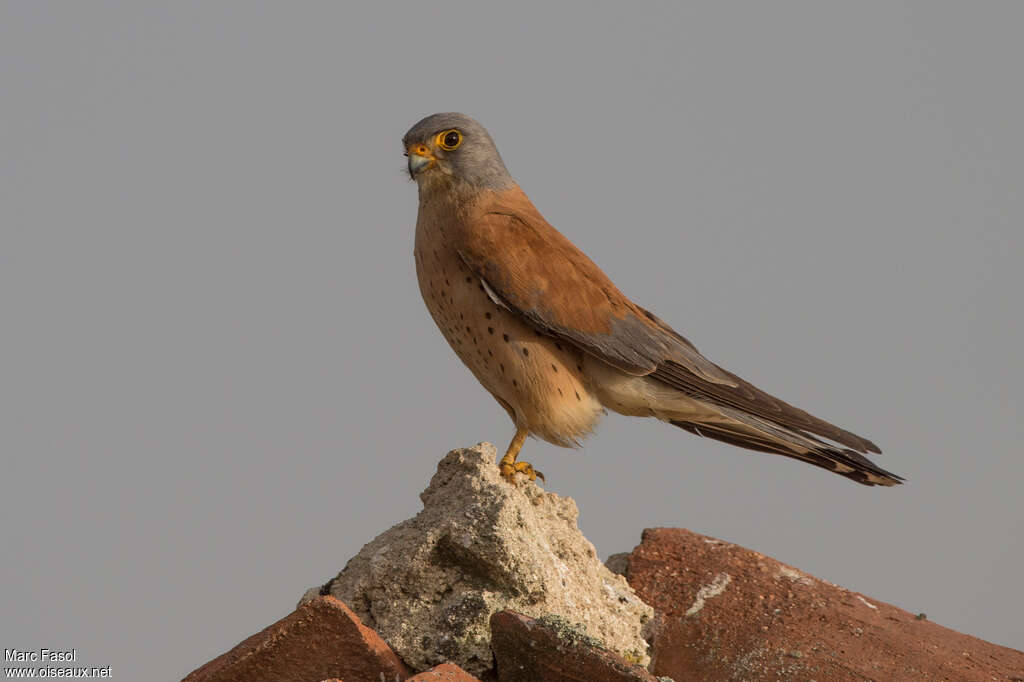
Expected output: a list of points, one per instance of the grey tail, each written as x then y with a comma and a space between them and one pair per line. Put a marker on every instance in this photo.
842, 461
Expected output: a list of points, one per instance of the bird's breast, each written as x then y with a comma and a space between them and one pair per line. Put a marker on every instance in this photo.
538, 378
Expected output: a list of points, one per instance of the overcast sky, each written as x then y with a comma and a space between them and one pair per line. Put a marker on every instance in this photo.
218, 380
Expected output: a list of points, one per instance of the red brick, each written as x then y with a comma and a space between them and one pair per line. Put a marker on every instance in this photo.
446, 672
529, 650
725, 612
319, 640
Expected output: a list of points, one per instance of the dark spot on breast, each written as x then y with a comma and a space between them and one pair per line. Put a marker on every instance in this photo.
536, 333
579, 368
451, 301
577, 395
559, 391
442, 293
554, 368
490, 353
558, 345
526, 351
468, 330
502, 365
505, 336
487, 315
447, 283
468, 280
515, 383
490, 330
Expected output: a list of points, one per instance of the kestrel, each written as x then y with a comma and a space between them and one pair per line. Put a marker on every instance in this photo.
551, 337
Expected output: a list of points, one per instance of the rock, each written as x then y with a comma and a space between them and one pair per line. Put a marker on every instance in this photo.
618, 563
321, 639
551, 649
446, 672
724, 612
480, 545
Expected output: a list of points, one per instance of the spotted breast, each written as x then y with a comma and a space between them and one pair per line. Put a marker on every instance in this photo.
537, 379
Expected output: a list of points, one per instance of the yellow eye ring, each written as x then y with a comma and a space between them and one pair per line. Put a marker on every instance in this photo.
449, 139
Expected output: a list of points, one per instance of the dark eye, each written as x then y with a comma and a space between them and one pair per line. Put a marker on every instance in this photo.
449, 139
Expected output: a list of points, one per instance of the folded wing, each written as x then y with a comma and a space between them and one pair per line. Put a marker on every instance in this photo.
532, 269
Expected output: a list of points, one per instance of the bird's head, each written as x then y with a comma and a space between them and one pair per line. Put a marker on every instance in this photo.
451, 147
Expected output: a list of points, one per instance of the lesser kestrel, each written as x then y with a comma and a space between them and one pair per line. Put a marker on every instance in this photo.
551, 337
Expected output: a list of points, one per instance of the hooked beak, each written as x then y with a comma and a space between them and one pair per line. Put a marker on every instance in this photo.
420, 158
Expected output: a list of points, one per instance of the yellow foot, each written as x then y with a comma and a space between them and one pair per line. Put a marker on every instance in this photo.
509, 470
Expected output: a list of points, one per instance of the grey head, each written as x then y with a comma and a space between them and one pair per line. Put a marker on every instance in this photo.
454, 146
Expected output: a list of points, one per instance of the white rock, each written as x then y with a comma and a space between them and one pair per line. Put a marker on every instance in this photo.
430, 584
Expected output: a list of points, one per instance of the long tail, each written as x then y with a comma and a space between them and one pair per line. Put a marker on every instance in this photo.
754, 433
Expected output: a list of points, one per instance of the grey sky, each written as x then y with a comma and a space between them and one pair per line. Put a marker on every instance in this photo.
219, 381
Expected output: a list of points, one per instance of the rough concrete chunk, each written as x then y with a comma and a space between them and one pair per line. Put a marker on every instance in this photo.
319, 640
480, 545
553, 650
725, 613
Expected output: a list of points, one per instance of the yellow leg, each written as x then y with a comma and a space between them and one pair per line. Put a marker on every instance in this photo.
508, 464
